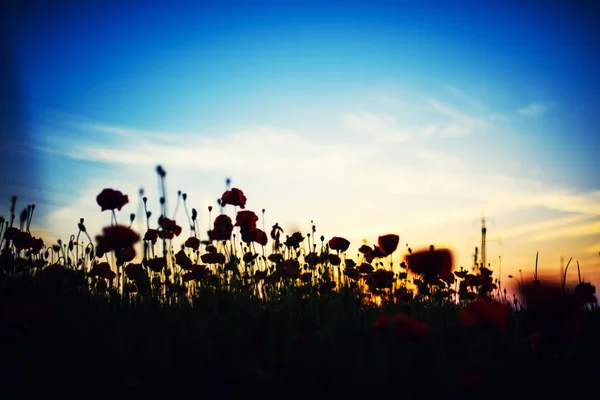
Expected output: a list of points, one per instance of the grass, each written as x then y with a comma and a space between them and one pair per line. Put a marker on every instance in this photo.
289, 326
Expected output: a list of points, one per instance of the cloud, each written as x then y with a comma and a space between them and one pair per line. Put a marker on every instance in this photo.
378, 126
532, 110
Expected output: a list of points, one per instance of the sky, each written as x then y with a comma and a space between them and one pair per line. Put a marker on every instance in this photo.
407, 117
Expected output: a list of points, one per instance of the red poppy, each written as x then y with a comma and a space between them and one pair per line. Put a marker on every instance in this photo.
151, 235
334, 259
312, 258
377, 252
213, 258
156, 264
365, 268
183, 260
339, 244
407, 327
223, 228
53, 272
125, 254
388, 243
246, 220
211, 249
22, 240
381, 279
192, 243
110, 199
117, 236
365, 249
168, 225
402, 327
485, 312
257, 235
103, 270
134, 271
306, 277
294, 240
430, 262
235, 197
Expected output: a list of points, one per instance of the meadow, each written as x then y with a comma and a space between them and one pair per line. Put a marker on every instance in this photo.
274, 315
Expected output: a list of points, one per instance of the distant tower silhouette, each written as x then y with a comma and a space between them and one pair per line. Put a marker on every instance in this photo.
483, 232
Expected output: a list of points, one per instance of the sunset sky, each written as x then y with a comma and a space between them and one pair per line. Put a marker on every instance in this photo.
408, 117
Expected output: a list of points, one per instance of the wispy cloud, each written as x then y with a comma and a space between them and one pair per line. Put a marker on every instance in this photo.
532, 110
377, 126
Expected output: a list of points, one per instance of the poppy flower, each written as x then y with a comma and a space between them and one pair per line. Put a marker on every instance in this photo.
110, 199
125, 254
192, 243
134, 271
334, 259
246, 220
365, 268
294, 240
377, 252
365, 249
151, 235
117, 236
234, 197
430, 262
388, 243
306, 277
103, 270
381, 279
326, 286
485, 312
53, 272
401, 327
339, 244
257, 235
156, 264
213, 258
223, 227
22, 240
183, 260
312, 258
168, 225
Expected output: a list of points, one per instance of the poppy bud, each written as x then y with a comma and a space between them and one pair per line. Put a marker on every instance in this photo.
209, 208
148, 214
131, 217
194, 214
162, 200
160, 171
145, 199
184, 196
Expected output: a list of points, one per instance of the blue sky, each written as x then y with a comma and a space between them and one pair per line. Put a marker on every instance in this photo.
368, 117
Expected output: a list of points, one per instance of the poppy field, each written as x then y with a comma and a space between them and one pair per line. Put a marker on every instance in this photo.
240, 311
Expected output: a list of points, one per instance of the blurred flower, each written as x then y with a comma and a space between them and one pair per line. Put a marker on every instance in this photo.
294, 240
117, 236
192, 243
213, 258
246, 220
485, 312
223, 228
151, 235
430, 262
339, 244
110, 199
234, 197
183, 260
169, 228
388, 243
402, 327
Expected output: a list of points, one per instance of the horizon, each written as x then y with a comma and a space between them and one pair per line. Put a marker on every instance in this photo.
368, 119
